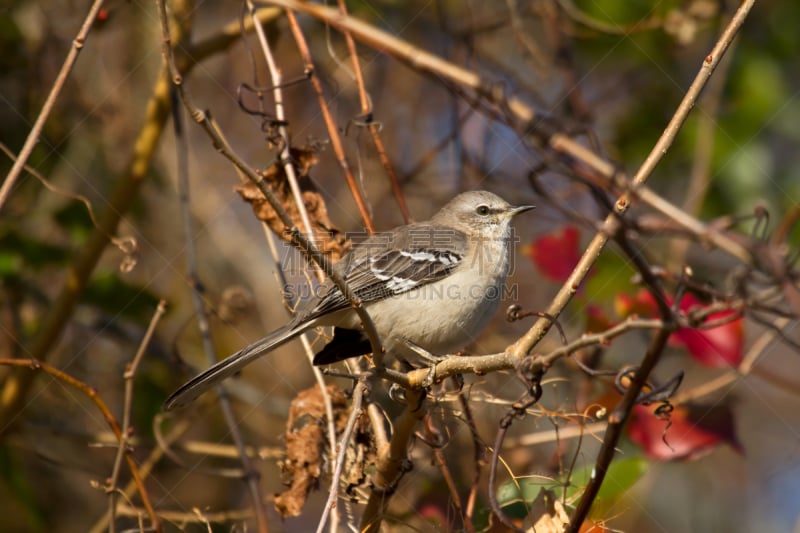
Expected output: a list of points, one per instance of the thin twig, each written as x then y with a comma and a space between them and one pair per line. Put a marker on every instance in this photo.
195, 516
49, 103
283, 130
576, 431
611, 224
126, 245
291, 177
477, 455
105, 439
745, 367
129, 375
524, 116
326, 398
341, 456
493, 503
532, 380
700, 175
441, 461
377, 419
145, 468
616, 423
333, 132
184, 192
373, 127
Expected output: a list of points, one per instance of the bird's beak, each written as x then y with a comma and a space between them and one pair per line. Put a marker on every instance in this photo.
514, 211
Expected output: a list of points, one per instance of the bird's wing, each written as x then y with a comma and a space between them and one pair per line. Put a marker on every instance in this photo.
373, 272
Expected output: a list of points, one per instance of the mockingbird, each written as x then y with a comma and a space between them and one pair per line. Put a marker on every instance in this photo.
432, 284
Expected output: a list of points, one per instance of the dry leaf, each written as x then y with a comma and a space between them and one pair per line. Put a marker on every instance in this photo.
328, 239
306, 445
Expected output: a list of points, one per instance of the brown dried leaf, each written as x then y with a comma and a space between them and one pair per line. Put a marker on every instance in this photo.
306, 445
329, 239
307, 448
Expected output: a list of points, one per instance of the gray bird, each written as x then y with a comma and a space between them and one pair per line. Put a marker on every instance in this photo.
432, 284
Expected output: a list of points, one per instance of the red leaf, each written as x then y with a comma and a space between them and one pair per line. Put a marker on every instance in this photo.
556, 254
695, 431
720, 346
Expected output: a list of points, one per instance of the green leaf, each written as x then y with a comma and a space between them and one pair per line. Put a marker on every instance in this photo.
621, 476
517, 496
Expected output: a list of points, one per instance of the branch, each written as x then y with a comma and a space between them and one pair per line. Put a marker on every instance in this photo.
390, 463
125, 433
333, 131
369, 120
616, 423
611, 224
184, 190
49, 103
341, 456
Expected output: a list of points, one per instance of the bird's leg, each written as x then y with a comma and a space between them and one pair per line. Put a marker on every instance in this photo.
423, 353
430, 358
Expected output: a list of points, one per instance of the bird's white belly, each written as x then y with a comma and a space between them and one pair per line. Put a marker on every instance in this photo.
443, 317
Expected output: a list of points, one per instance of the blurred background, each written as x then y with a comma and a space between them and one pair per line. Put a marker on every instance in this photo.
608, 73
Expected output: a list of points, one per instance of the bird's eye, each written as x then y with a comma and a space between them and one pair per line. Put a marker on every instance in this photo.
482, 210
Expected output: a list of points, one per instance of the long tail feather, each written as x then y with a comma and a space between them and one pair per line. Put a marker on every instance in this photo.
199, 384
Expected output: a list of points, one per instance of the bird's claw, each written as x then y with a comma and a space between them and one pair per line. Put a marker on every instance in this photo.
423, 353
430, 379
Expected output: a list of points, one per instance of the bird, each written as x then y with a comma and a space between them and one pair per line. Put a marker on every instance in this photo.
429, 286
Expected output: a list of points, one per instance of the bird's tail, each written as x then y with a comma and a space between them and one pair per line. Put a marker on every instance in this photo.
199, 384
